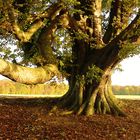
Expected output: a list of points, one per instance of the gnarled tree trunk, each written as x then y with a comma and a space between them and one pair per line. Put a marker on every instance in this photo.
90, 98
90, 82
92, 46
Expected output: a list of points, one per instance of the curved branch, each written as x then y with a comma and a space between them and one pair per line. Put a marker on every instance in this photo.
50, 13
110, 29
25, 36
127, 36
45, 40
46, 37
28, 75
133, 30
118, 19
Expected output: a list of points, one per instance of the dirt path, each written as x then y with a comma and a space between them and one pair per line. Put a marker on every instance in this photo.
28, 120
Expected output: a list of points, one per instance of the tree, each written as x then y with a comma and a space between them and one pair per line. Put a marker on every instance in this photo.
81, 40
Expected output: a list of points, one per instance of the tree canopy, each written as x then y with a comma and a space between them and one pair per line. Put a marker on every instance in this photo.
81, 40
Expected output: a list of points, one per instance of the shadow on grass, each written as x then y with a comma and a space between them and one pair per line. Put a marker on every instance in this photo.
31, 102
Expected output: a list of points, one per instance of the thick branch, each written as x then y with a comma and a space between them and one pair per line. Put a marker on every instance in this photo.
92, 19
131, 31
128, 35
113, 14
46, 39
28, 75
25, 36
44, 43
51, 12
97, 25
118, 19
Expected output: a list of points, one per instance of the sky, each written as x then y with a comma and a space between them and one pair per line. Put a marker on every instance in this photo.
130, 74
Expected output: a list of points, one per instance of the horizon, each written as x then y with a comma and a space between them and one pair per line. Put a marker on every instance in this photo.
128, 77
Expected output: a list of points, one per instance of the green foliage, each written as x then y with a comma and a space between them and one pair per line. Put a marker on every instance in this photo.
8, 49
71, 2
106, 3
118, 68
62, 44
81, 35
94, 73
128, 50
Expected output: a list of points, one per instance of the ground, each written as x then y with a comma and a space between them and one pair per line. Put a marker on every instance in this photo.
28, 119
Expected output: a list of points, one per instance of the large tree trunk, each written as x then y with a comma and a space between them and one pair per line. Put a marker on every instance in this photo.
91, 98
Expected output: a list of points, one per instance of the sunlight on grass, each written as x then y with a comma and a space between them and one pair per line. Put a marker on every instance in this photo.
30, 96
128, 97
13, 88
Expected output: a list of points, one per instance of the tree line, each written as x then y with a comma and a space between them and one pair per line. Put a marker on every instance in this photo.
10, 87
54, 88
126, 90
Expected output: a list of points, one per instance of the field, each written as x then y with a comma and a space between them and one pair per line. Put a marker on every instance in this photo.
130, 97
28, 119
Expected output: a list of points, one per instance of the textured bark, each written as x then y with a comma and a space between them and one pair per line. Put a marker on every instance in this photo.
25, 36
91, 98
118, 19
44, 43
28, 75
46, 38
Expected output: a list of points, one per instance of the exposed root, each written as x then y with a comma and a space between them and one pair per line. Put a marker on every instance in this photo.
96, 104
99, 100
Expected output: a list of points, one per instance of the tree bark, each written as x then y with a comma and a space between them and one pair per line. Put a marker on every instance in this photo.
37, 23
91, 98
28, 75
86, 95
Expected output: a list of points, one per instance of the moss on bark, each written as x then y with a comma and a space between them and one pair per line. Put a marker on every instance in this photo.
89, 99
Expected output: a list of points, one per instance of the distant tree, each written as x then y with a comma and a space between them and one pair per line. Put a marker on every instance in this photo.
38, 89
126, 90
81, 40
